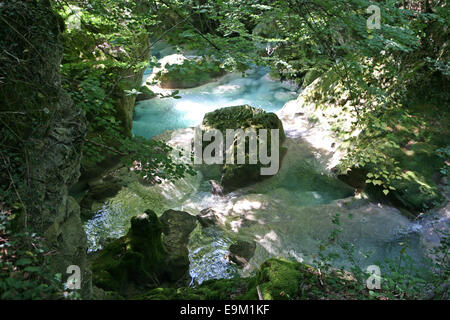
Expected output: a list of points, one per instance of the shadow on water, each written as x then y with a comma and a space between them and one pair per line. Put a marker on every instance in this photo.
287, 215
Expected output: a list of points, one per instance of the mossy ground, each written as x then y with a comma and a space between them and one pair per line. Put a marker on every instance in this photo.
277, 279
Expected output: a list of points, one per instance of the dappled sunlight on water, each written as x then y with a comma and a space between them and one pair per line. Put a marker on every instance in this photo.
288, 215
207, 255
112, 219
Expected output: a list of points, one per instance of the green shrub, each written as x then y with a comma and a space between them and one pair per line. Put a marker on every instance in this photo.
24, 268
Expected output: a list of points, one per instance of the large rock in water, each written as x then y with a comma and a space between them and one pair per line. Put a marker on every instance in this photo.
102, 189
133, 259
178, 225
243, 117
143, 257
241, 252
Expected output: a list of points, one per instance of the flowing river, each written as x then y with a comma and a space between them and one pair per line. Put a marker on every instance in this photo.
290, 214
256, 89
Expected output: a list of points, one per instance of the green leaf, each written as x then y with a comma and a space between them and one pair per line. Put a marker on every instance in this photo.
23, 261
32, 269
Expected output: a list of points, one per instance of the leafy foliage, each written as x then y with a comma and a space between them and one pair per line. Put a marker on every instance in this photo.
402, 277
191, 73
24, 269
392, 82
103, 54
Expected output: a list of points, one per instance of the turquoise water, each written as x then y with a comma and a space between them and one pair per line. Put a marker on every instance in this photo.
288, 215
291, 214
256, 89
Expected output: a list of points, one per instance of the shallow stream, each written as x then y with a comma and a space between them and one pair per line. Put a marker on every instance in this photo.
288, 215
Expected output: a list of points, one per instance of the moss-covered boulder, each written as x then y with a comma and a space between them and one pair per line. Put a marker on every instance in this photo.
135, 259
279, 279
243, 117
97, 192
416, 188
189, 74
154, 252
415, 192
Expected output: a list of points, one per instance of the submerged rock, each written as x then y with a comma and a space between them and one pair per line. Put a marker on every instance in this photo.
99, 191
241, 252
133, 260
243, 117
178, 225
216, 188
208, 217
